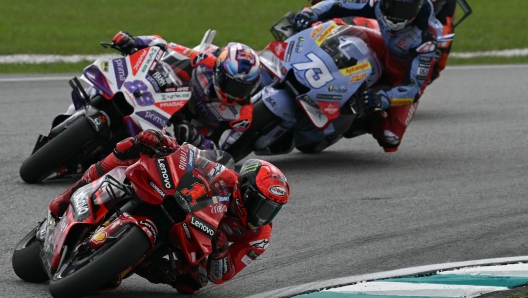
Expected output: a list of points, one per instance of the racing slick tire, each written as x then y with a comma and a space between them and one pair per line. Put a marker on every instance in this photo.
57, 151
78, 277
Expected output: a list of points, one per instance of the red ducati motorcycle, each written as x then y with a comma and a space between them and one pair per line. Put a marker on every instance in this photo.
159, 207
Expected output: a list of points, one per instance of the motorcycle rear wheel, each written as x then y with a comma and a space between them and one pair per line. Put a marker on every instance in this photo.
26, 260
57, 151
81, 277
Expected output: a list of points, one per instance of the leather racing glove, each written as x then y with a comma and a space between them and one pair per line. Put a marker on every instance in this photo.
375, 100
125, 42
186, 132
149, 139
305, 18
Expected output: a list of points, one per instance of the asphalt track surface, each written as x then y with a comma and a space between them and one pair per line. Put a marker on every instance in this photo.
455, 191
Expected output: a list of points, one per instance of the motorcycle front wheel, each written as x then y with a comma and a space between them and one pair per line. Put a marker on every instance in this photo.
89, 272
57, 151
26, 260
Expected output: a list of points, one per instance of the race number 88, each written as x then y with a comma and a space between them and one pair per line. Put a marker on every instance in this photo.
146, 98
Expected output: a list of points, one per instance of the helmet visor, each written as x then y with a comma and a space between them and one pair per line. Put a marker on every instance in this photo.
261, 210
400, 11
234, 89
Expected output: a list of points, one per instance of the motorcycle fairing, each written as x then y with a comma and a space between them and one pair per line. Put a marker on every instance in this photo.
88, 206
328, 86
147, 82
114, 229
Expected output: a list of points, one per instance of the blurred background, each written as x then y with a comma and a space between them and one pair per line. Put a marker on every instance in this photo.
68, 27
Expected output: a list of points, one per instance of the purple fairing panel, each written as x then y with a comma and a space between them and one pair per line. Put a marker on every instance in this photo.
132, 128
96, 77
154, 118
120, 71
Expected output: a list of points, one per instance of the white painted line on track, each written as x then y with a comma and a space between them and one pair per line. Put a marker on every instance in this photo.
34, 79
415, 289
343, 281
461, 67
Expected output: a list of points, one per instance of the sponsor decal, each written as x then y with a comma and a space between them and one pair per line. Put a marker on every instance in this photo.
160, 79
421, 78
153, 117
401, 101
299, 45
97, 121
337, 89
246, 260
99, 237
183, 160
217, 269
182, 89
243, 124
166, 176
202, 226
356, 68
186, 230
226, 265
218, 208
197, 191
120, 71
426, 65
309, 101
171, 106
288, 53
331, 109
358, 78
151, 227
316, 31
149, 60
422, 71
251, 167
325, 34
272, 103
328, 96
252, 254
427, 47
139, 60
191, 160
227, 229
104, 66
279, 191
217, 169
201, 56
221, 199
279, 49
182, 202
153, 82
262, 244
81, 204
426, 59
157, 189
239, 207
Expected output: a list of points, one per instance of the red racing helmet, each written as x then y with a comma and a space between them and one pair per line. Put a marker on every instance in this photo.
263, 191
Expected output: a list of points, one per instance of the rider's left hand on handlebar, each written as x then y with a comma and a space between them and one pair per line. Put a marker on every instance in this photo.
305, 18
151, 139
375, 100
125, 42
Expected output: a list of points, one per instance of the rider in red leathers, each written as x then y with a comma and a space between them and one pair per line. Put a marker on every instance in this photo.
256, 195
221, 81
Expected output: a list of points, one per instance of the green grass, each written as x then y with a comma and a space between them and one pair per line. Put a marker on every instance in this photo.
76, 27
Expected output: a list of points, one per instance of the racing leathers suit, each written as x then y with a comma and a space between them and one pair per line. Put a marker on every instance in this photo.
446, 17
224, 263
408, 63
213, 123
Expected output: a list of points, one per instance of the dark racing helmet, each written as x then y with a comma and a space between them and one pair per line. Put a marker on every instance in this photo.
397, 14
236, 73
263, 191
438, 5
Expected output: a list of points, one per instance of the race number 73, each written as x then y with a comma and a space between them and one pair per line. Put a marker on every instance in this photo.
317, 73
